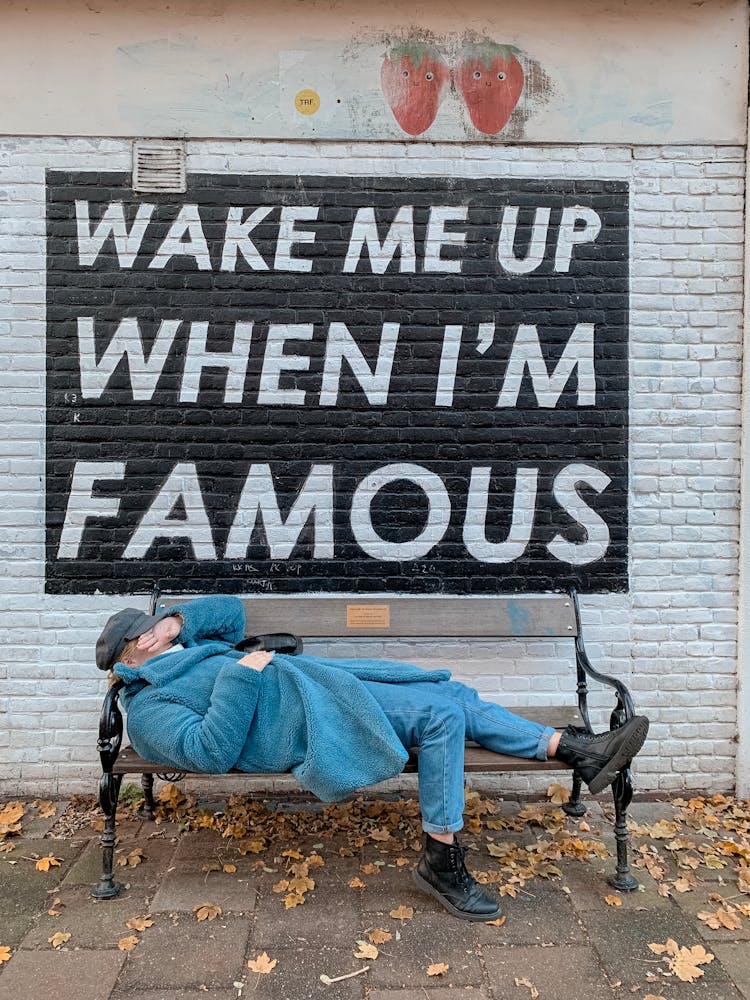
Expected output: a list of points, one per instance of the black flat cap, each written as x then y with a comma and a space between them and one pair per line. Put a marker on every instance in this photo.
120, 629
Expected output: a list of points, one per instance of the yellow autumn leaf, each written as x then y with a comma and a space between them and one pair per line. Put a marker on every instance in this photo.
59, 939
301, 884
135, 857
496, 923
44, 864
613, 900
365, 950
4, 954
356, 883
229, 869
139, 923
721, 918
254, 846
402, 912
557, 794
685, 964
380, 834
263, 964
281, 886
45, 807
379, 936
437, 969
314, 860
293, 899
53, 911
292, 854
128, 943
370, 869
400, 862
11, 813
206, 911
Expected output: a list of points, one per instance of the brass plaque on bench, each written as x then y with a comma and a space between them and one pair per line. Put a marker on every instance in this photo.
368, 616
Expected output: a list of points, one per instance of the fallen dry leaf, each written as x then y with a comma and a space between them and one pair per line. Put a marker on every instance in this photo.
653, 996
281, 886
685, 964
59, 939
400, 862
379, 936
365, 950
4, 954
139, 923
45, 807
263, 964
356, 883
229, 869
402, 912
530, 986
723, 917
613, 900
293, 899
291, 853
44, 864
10, 816
558, 794
437, 969
497, 923
135, 857
206, 911
128, 943
53, 911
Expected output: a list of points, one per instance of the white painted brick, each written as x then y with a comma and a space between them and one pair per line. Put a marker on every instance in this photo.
673, 635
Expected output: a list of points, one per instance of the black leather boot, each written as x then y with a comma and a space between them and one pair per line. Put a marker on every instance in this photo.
598, 757
442, 873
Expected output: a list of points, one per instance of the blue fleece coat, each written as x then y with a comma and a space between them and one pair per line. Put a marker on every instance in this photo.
198, 709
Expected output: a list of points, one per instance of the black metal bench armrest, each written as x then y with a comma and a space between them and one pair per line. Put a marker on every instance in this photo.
624, 708
110, 727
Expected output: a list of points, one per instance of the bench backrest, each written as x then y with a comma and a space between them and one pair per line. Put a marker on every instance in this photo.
547, 616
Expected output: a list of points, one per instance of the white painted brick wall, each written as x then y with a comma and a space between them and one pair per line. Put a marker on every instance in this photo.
672, 638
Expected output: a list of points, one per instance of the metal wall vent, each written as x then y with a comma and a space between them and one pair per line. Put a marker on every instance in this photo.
159, 166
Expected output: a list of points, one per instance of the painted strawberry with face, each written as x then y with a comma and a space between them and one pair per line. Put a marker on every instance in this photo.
413, 77
490, 79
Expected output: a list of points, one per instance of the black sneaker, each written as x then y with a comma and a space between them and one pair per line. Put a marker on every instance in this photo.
597, 757
442, 873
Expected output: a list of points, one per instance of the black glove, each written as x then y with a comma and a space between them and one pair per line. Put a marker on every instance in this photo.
274, 642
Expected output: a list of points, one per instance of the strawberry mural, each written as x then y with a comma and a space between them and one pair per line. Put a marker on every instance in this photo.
413, 77
490, 79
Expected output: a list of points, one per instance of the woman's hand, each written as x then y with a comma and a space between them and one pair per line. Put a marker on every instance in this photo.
160, 637
257, 660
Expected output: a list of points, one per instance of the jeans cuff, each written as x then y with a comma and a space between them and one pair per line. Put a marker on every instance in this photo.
543, 746
450, 828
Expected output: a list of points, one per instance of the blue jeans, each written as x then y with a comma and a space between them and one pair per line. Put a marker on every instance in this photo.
438, 718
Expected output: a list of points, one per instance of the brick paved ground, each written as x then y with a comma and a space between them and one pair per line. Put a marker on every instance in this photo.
560, 938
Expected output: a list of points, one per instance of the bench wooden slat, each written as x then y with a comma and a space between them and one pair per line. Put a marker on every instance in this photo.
409, 617
476, 760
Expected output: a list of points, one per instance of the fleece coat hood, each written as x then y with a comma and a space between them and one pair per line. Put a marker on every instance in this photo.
198, 709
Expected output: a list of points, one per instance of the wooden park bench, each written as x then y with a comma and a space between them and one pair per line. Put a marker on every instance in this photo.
547, 617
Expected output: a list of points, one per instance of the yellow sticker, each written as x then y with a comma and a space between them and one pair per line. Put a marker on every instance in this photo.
307, 102
368, 616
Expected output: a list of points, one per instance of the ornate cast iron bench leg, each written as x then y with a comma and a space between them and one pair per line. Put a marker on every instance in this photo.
147, 784
109, 793
574, 806
622, 791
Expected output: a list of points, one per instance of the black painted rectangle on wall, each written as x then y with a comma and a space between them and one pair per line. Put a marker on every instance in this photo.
302, 384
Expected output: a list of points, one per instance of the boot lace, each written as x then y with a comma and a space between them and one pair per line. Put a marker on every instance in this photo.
463, 878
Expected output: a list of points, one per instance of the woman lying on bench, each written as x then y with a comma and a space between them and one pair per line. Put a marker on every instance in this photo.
196, 703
